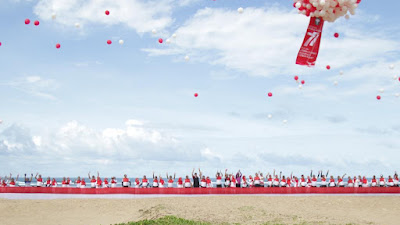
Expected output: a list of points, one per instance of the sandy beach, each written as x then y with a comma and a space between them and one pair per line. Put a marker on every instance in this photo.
214, 209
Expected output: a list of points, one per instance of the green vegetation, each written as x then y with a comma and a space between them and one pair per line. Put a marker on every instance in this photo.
167, 220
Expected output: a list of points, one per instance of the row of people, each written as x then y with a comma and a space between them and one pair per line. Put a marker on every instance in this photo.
222, 180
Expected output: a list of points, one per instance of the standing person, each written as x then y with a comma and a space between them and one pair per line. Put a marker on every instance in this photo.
356, 182
196, 180
283, 181
227, 179
28, 180
350, 182
155, 181
161, 182
244, 182
39, 180
382, 181
105, 183
188, 184
203, 182
137, 183
256, 180
92, 180
233, 181
269, 180
289, 180
261, 180
125, 181
171, 181
218, 177
390, 182
250, 182
145, 182
113, 182
332, 182
340, 182
238, 178
83, 183
68, 181
64, 182
180, 182
208, 182
53, 183
373, 181
48, 182
395, 179
303, 182
364, 182
13, 183
78, 182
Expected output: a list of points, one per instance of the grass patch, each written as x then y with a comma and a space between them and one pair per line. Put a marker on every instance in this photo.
166, 220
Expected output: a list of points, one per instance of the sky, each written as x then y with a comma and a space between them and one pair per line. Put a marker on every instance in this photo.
130, 108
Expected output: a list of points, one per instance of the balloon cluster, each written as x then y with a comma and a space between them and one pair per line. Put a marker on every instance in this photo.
329, 10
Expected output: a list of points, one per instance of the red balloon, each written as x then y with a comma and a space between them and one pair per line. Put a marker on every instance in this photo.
0, 43
36, 23
358, 1
269, 94
58, 45
378, 97
336, 35
107, 12
302, 82
160, 40
27, 21
296, 77
109, 42
328, 67
196, 95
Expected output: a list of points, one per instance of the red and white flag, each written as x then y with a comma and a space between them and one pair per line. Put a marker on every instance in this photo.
309, 49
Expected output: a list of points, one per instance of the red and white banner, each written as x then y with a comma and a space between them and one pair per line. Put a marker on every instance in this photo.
309, 49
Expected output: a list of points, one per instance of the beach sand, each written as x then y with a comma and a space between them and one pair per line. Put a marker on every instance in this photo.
214, 209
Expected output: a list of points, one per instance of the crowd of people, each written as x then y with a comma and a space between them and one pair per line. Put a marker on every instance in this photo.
198, 180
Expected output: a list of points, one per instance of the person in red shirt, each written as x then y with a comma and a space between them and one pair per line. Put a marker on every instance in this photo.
68, 182
373, 181
170, 181
203, 182
350, 182
48, 182
390, 182
137, 183
161, 182
83, 183
382, 181
188, 184
332, 182
54, 183
180, 182
218, 177
39, 180
99, 182
233, 181
145, 182
289, 181
113, 182
92, 181
364, 182
78, 182
64, 182
105, 183
155, 181
208, 182
396, 179
125, 181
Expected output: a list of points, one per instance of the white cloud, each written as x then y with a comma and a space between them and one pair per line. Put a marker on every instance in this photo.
265, 41
143, 16
35, 85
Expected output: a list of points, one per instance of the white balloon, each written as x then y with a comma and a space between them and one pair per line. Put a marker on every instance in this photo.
240, 10
397, 95
174, 35
168, 41
335, 83
381, 90
77, 25
394, 77
300, 86
187, 58
298, 5
284, 121
154, 31
269, 116
121, 42
1, 121
391, 66
53, 16
347, 17
341, 72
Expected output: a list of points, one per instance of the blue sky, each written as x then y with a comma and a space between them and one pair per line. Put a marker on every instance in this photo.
130, 108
